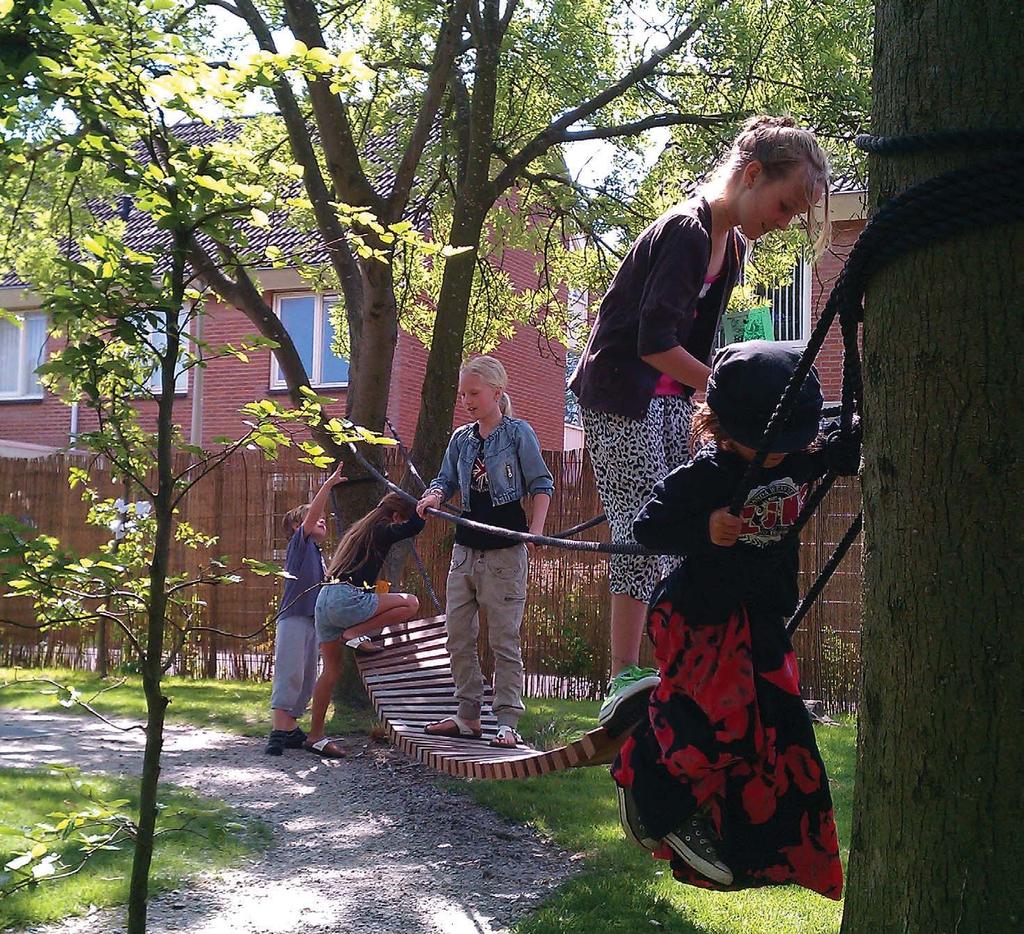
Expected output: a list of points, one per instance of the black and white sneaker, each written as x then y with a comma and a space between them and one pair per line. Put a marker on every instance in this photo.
695, 846
630, 820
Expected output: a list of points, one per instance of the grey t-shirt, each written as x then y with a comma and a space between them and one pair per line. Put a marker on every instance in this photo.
304, 560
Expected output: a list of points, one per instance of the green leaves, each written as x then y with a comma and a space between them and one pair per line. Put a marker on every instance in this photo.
265, 568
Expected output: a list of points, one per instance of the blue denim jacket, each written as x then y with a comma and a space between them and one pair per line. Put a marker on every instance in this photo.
512, 456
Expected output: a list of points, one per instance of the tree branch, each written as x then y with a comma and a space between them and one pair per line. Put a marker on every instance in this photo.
448, 43
331, 231
336, 137
647, 123
75, 700
553, 133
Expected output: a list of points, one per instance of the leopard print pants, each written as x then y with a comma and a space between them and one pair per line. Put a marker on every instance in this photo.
629, 458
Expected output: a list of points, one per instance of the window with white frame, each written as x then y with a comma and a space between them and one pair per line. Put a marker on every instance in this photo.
306, 317
157, 335
22, 350
577, 325
791, 305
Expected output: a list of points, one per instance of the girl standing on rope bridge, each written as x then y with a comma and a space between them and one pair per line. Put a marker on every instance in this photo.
724, 778
348, 609
651, 343
494, 461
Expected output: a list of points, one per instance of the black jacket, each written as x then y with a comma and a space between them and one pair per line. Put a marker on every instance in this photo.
653, 304
761, 569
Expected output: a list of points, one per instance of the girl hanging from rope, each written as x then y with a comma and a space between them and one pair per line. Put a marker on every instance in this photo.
650, 345
494, 462
724, 777
348, 609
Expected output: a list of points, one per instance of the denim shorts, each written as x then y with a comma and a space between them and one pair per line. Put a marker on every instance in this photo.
340, 606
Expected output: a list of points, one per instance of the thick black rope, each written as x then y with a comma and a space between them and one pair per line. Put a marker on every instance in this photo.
826, 573
942, 139
852, 383
933, 210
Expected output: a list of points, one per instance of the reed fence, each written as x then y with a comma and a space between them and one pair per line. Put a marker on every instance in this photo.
565, 629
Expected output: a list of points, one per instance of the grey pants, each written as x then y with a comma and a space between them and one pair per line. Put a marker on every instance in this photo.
496, 582
295, 658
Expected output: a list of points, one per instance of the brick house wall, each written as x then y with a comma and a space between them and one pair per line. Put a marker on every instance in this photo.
536, 371
536, 368
825, 273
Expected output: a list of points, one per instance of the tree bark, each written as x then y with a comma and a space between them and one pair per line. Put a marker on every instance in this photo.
152, 658
474, 199
936, 839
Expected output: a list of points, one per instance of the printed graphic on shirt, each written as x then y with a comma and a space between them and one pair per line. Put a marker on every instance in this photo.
478, 479
770, 510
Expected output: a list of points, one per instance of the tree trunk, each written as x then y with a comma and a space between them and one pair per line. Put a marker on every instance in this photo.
437, 399
138, 893
936, 840
475, 197
370, 385
152, 657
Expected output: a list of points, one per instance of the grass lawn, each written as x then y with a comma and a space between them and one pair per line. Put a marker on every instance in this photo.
621, 888
216, 837
235, 706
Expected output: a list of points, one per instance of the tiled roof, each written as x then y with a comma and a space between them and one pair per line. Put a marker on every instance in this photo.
850, 183
143, 235
380, 155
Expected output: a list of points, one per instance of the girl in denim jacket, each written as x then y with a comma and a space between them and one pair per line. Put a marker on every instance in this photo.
493, 462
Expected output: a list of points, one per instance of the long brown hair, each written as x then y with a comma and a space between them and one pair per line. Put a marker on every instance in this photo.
355, 544
705, 428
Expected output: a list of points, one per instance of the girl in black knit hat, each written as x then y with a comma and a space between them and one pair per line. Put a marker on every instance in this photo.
724, 778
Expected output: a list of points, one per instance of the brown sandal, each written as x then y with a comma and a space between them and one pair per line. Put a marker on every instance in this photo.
452, 727
326, 747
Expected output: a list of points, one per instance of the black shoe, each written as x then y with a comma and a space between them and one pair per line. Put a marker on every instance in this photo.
293, 739
695, 845
279, 740
630, 820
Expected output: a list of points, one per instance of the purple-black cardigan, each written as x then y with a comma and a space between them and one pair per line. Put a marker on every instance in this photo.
653, 304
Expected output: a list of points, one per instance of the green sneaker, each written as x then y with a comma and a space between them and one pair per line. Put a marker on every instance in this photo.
626, 703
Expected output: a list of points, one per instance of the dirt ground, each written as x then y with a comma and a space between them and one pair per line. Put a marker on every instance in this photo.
371, 843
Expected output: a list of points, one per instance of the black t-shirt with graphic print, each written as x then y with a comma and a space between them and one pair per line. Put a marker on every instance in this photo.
510, 516
761, 569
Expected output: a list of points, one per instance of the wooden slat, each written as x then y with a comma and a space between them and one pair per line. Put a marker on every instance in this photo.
410, 685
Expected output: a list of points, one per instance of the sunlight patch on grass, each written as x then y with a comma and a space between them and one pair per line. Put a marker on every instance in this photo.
216, 837
234, 706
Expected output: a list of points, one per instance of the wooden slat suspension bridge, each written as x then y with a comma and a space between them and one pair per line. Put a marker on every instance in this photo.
410, 685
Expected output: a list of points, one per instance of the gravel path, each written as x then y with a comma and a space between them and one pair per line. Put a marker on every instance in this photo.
367, 844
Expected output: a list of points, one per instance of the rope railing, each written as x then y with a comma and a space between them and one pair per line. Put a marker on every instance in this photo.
933, 210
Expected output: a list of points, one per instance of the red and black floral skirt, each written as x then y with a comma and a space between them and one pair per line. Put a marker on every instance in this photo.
728, 730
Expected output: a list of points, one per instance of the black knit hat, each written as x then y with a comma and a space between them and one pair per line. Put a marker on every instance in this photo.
748, 379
